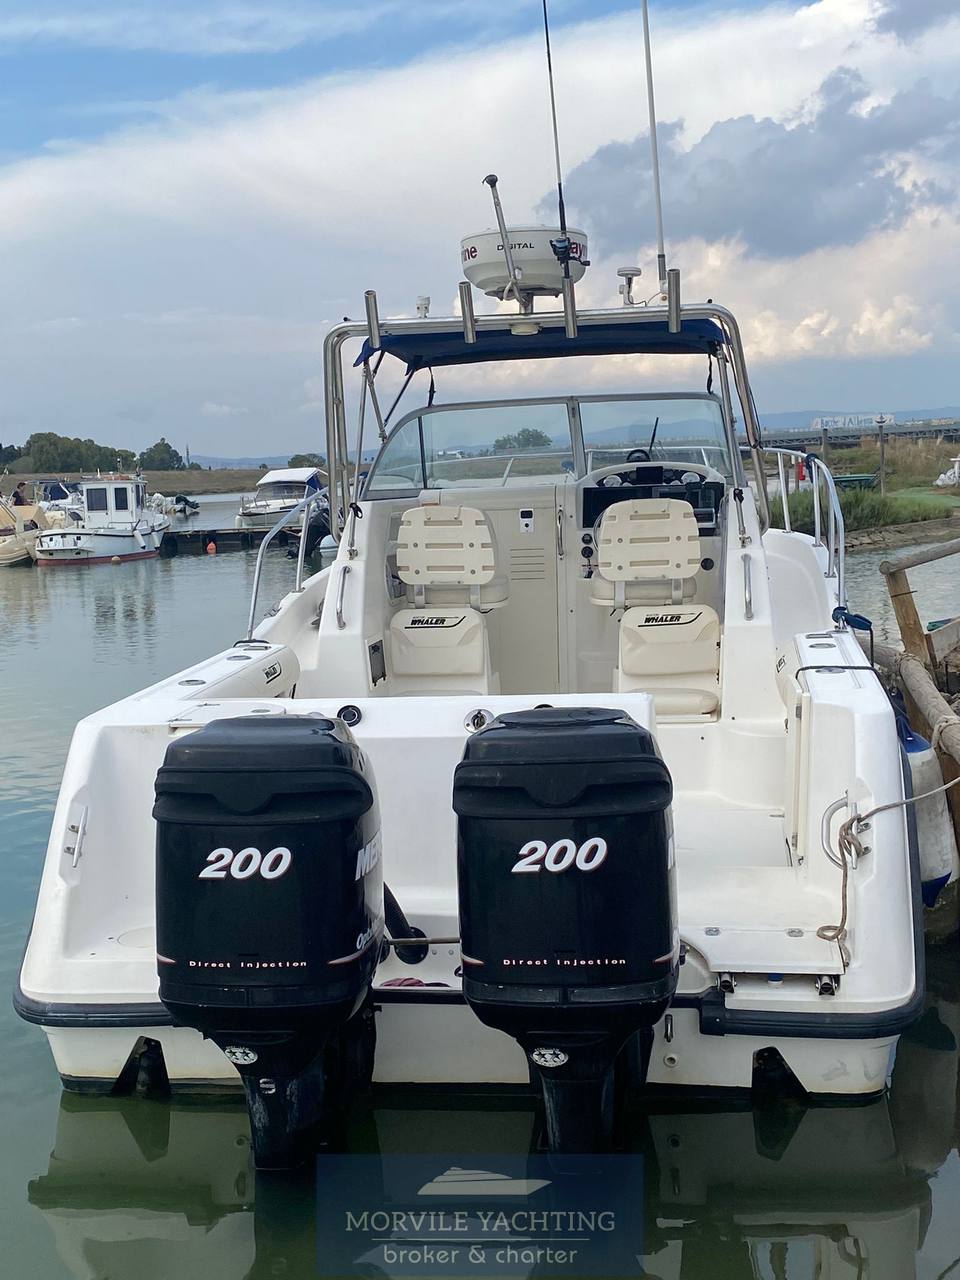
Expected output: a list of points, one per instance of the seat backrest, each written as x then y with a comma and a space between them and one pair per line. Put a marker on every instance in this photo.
648, 541
448, 549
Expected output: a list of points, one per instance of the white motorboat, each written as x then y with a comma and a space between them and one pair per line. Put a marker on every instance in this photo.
114, 523
60, 499
19, 526
277, 494
607, 735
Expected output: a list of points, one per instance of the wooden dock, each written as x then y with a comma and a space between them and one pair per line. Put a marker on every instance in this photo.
194, 541
922, 672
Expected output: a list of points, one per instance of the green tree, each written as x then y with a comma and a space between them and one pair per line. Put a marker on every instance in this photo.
307, 460
161, 457
194, 466
46, 451
525, 438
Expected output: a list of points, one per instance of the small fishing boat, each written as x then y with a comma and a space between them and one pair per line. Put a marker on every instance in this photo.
277, 494
605, 733
114, 523
569, 771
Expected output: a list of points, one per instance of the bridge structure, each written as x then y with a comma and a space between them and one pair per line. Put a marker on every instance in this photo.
812, 437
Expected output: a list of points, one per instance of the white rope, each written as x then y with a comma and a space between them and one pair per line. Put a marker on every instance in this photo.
848, 845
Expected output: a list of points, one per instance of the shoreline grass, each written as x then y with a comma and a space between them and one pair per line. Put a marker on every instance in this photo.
865, 509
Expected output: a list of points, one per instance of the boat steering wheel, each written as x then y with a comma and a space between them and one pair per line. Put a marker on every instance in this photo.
614, 476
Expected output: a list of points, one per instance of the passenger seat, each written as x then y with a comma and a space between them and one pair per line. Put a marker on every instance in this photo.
447, 560
648, 555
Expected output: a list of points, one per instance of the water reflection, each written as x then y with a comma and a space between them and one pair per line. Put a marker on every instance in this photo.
936, 587
152, 1190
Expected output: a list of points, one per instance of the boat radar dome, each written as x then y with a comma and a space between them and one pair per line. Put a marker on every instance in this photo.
539, 270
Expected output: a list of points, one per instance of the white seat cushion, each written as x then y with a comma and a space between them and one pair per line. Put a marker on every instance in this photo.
437, 643
603, 592
673, 653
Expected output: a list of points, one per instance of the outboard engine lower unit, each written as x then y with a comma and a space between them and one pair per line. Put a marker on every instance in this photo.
270, 911
567, 899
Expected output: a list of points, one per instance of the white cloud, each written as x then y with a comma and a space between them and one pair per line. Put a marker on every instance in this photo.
215, 246
214, 409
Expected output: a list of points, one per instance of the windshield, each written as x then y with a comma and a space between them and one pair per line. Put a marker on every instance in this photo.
466, 446
685, 429
279, 490
530, 442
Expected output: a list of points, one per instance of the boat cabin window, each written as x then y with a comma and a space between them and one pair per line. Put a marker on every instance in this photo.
96, 499
121, 498
280, 490
680, 429
538, 441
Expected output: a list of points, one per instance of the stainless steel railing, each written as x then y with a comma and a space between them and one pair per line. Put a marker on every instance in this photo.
827, 513
303, 505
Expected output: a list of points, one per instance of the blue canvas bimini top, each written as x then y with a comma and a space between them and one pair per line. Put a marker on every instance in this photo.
641, 337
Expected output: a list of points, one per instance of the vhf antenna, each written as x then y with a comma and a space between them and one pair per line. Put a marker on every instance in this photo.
669, 280
562, 246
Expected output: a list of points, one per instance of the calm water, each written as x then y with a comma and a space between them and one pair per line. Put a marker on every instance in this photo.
136, 1190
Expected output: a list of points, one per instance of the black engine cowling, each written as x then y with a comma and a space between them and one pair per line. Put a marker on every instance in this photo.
567, 898
270, 908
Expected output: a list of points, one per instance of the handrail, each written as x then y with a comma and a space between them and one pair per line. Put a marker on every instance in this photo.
747, 587
834, 514
784, 493
741, 525
345, 569
926, 556
302, 551
284, 520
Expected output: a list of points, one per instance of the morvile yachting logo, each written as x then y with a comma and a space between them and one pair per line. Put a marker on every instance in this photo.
480, 1182
456, 1215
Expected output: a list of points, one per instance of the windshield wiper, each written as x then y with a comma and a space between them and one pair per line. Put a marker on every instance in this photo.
653, 435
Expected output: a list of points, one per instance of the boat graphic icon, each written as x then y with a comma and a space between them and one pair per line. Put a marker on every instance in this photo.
480, 1182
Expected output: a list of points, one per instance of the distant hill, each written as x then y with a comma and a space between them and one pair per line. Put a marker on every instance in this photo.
242, 464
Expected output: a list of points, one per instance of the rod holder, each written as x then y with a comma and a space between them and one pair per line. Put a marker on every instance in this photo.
673, 300
513, 289
569, 308
466, 312
373, 318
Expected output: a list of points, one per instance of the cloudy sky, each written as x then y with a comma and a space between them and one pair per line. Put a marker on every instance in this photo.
192, 191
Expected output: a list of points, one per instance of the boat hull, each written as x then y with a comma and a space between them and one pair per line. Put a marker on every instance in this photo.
70, 548
464, 1053
263, 520
79, 558
16, 550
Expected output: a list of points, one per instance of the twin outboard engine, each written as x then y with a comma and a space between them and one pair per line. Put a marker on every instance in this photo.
567, 899
270, 911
